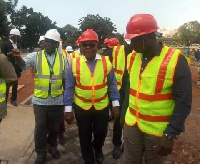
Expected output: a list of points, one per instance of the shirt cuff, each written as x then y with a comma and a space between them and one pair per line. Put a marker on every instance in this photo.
115, 103
68, 108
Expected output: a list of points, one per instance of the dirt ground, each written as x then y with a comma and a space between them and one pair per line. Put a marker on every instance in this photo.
28, 85
187, 146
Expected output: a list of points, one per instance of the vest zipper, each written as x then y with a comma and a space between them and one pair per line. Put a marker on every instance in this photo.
93, 91
137, 95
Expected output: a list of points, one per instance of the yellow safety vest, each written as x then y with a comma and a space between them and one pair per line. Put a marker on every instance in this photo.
46, 81
119, 63
73, 55
65, 54
91, 90
151, 102
2, 90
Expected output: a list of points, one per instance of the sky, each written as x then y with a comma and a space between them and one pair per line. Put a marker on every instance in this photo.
169, 14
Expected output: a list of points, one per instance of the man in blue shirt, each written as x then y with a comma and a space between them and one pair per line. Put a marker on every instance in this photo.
91, 110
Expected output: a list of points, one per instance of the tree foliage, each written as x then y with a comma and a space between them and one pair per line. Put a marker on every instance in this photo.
10, 5
189, 33
71, 35
6, 8
102, 26
31, 25
3, 19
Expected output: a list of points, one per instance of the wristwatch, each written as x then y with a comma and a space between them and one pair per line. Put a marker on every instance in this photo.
170, 137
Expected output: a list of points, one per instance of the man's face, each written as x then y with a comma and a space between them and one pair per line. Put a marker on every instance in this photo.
15, 38
89, 49
50, 46
137, 44
42, 44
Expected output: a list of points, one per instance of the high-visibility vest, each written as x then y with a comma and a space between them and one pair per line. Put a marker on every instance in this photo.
91, 90
46, 81
119, 63
2, 90
73, 55
151, 101
65, 54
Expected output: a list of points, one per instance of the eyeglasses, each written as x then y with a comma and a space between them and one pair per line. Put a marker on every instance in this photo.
91, 45
50, 41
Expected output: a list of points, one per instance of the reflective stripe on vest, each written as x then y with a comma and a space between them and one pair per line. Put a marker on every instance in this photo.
118, 64
73, 55
2, 90
151, 102
91, 90
43, 87
65, 54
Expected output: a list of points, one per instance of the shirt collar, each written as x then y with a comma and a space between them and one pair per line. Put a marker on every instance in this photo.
11, 41
97, 57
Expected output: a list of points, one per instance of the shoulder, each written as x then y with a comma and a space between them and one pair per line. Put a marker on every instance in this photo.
3, 59
7, 42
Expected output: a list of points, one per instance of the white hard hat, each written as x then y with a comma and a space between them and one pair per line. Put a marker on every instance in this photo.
53, 34
41, 39
69, 48
15, 32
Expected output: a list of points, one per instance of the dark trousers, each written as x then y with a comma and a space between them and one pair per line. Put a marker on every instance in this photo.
14, 91
53, 114
117, 129
138, 144
91, 122
62, 127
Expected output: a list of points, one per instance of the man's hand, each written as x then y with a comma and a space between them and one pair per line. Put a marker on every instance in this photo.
69, 117
165, 146
115, 112
15, 53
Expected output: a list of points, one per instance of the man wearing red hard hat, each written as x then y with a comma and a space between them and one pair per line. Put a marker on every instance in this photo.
90, 81
77, 52
157, 99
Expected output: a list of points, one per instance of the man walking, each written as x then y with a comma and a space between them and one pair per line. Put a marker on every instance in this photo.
158, 97
50, 74
6, 49
90, 80
7, 77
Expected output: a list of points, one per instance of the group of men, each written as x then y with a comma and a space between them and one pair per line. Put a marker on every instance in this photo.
144, 82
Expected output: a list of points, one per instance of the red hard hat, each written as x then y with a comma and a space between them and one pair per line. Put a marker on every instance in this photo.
140, 24
77, 42
105, 40
89, 35
113, 42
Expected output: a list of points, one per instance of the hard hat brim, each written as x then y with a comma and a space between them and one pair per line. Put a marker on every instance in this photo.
158, 34
131, 36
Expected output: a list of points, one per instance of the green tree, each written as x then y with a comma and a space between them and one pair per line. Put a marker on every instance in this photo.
189, 32
103, 26
119, 36
3, 19
31, 25
10, 6
71, 35
6, 8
